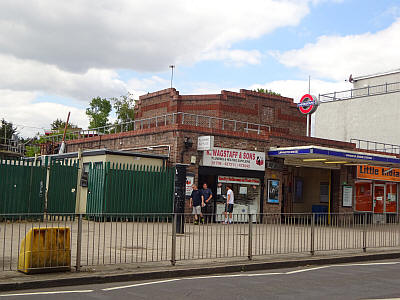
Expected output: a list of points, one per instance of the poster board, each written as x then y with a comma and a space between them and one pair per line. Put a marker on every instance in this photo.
189, 183
273, 191
347, 196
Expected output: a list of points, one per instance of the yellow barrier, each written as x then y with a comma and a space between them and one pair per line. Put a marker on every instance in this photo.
45, 250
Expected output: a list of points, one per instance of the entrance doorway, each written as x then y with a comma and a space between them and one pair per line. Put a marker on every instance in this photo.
379, 198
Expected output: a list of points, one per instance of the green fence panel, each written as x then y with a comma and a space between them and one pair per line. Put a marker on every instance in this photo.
62, 190
22, 187
96, 189
125, 189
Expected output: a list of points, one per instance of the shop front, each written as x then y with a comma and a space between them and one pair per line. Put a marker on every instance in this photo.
242, 170
329, 180
377, 190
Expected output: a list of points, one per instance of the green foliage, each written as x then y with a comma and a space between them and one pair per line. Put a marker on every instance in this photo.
267, 91
98, 112
59, 125
124, 109
7, 129
31, 151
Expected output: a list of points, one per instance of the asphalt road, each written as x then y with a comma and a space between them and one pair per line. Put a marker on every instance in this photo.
373, 280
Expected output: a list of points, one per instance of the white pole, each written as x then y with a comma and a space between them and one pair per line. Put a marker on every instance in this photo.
308, 115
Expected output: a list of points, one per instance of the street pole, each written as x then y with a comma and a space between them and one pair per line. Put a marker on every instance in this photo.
172, 73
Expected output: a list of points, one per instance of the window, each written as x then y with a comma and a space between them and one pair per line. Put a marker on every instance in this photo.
391, 197
324, 192
298, 190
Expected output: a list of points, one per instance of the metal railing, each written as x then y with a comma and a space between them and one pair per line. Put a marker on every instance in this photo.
202, 121
11, 145
376, 146
142, 238
367, 91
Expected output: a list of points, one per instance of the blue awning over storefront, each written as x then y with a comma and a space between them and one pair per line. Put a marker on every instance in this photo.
316, 156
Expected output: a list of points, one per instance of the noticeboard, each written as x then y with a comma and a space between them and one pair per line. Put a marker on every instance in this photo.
347, 196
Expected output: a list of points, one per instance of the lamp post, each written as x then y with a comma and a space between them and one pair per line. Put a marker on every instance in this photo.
172, 73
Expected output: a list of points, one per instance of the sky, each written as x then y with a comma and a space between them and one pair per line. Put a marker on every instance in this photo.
55, 56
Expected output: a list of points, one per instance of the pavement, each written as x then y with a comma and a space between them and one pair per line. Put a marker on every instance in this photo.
13, 281
367, 280
132, 251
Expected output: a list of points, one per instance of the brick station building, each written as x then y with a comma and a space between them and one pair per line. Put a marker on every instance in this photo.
257, 144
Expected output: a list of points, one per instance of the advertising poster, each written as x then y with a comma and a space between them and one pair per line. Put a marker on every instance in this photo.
347, 199
189, 183
273, 191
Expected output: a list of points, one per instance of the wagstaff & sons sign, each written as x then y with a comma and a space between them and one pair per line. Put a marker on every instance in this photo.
234, 159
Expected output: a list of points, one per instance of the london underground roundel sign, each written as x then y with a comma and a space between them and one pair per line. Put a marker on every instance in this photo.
308, 104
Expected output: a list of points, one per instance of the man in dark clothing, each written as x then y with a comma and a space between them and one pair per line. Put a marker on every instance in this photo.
197, 202
208, 207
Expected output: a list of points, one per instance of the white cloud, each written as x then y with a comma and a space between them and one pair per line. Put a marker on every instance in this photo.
336, 57
234, 57
141, 35
31, 117
297, 88
141, 86
28, 75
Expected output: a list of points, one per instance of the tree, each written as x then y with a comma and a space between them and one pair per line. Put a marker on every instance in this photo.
266, 91
7, 130
98, 112
124, 109
59, 125
30, 151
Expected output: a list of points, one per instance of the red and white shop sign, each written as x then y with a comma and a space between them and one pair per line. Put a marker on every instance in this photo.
239, 180
234, 159
308, 104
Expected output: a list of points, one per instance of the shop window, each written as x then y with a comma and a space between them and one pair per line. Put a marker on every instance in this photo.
391, 197
247, 192
363, 196
324, 192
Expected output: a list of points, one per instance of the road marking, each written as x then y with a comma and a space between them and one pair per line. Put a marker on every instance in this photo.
140, 284
383, 299
264, 274
306, 270
251, 275
47, 293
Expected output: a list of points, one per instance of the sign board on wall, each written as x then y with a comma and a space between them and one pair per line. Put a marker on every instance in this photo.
205, 143
238, 180
378, 173
234, 159
347, 196
189, 183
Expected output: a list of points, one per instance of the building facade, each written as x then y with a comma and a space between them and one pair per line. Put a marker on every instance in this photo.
372, 114
255, 143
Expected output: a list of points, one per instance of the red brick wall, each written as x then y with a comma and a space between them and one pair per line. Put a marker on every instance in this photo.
246, 106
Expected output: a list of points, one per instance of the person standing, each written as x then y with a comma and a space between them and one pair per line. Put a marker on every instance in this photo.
207, 209
230, 199
196, 201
